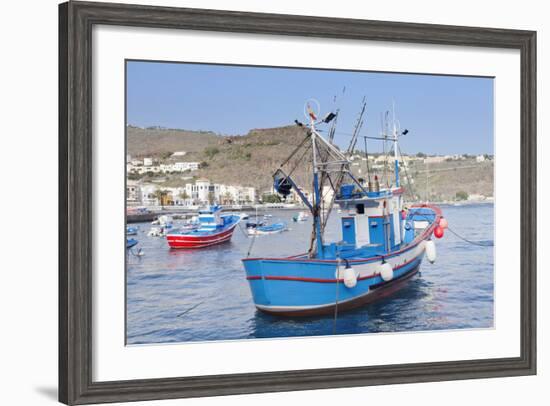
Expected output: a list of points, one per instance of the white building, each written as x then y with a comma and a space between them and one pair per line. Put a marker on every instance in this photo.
162, 168
178, 153
434, 159
148, 195
147, 161
133, 193
185, 166
201, 192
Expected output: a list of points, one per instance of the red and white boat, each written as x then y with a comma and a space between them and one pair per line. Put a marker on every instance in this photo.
214, 228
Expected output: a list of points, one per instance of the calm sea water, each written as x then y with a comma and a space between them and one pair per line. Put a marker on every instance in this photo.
202, 295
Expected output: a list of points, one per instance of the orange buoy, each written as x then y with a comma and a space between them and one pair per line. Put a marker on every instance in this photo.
443, 223
438, 232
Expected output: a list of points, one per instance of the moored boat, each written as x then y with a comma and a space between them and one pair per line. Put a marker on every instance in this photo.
267, 228
214, 228
163, 221
131, 242
382, 244
300, 217
131, 230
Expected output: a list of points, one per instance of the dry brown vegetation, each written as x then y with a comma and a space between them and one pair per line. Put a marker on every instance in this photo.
250, 160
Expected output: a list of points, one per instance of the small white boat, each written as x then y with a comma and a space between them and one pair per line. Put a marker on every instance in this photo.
300, 217
157, 232
164, 221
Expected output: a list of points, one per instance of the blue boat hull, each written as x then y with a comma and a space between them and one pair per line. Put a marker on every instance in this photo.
309, 287
303, 286
131, 242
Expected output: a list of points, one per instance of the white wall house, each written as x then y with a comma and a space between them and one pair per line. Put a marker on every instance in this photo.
201, 192
185, 166
133, 193
148, 197
162, 168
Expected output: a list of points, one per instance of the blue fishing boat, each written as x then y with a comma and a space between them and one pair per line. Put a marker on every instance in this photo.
131, 230
131, 242
382, 243
268, 228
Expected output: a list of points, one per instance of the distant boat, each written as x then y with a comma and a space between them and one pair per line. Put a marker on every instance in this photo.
214, 228
156, 232
254, 224
164, 221
131, 230
302, 216
131, 242
268, 229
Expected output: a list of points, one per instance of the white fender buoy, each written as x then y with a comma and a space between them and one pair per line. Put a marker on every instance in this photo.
350, 278
430, 251
386, 272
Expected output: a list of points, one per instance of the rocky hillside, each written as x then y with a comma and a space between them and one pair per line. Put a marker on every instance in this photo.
158, 142
250, 160
247, 160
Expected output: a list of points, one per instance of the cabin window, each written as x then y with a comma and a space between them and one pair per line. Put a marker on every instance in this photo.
360, 208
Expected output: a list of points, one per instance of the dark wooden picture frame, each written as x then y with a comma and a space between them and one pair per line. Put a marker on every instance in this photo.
76, 20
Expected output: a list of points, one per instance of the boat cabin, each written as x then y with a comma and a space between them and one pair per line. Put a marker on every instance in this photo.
210, 217
374, 222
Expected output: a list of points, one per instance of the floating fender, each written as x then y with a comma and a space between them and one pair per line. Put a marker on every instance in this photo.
350, 278
386, 272
430, 251
439, 232
443, 223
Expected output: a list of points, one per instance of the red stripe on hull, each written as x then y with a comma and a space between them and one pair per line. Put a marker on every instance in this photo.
386, 290
323, 280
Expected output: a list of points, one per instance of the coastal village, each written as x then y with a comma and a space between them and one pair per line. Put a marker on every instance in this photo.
187, 169
147, 177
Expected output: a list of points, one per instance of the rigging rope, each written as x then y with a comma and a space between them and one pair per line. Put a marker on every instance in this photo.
251, 244
410, 188
412, 194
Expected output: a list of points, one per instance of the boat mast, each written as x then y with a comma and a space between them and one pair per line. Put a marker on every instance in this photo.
316, 191
396, 157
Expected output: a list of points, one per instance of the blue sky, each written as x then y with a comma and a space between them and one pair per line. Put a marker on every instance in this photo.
444, 114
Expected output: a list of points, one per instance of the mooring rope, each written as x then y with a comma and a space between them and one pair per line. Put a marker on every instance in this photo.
251, 244
478, 243
190, 308
242, 231
139, 253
